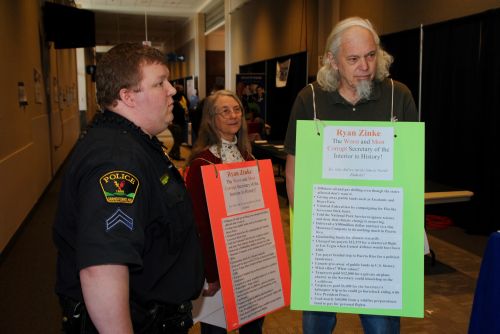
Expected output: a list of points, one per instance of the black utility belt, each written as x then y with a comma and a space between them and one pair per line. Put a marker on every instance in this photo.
159, 318
170, 318
185, 307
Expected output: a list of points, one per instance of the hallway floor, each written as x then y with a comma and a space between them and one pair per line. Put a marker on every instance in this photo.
27, 275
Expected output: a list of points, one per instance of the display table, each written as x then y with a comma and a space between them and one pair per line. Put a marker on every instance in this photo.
261, 149
436, 193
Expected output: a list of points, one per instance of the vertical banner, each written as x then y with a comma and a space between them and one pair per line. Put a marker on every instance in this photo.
359, 218
282, 70
248, 239
251, 89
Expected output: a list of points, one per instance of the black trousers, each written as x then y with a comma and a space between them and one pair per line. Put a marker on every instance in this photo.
170, 319
253, 327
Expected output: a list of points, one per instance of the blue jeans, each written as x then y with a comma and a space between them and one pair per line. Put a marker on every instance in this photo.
324, 323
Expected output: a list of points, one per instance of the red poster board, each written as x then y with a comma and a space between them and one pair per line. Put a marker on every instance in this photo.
248, 238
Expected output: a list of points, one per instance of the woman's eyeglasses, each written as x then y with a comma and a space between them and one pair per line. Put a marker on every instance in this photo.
226, 112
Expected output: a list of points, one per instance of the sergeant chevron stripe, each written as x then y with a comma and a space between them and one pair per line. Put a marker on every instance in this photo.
119, 217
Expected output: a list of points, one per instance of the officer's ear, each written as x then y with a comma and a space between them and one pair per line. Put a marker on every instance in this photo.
127, 96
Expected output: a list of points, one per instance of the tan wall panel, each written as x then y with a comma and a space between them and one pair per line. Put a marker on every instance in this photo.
17, 197
185, 45
71, 128
395, 15
25, 184
215, 40
187, 67
25, 149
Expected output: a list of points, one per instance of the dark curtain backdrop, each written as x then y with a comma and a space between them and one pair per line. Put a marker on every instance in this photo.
460, 106
279, 101
488, 184
404, 47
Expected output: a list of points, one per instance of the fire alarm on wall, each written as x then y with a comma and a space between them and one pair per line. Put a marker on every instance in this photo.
23, 98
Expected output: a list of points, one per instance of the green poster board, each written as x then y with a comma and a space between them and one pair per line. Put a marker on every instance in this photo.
358, 233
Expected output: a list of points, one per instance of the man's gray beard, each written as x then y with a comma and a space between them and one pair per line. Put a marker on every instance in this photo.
364, 89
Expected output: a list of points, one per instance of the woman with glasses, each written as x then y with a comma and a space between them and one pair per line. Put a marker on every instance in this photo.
222, 138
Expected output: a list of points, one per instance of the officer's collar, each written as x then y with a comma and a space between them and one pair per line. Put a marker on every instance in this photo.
112, 119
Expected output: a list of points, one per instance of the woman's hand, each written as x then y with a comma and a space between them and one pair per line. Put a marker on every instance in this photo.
212, 289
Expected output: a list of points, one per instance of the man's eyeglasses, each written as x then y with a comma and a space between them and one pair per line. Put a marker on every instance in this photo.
226, 113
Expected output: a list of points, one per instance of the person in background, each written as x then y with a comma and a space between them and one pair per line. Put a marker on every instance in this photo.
183, 101
222, 139
195, 115
243, 93
260, 93
260, 99
193, 99
177, 126
182, 98
255, 124
352, 84
128, 255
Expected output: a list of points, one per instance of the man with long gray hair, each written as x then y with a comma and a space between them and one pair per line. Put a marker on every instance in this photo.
352, 84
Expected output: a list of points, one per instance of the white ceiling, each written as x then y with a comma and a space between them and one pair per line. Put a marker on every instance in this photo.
125, 20
181, 8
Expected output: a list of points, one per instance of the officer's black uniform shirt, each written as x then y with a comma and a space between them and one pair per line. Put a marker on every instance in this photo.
123, 202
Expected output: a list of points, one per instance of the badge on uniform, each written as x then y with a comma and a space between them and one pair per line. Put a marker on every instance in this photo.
119, 187
164, 179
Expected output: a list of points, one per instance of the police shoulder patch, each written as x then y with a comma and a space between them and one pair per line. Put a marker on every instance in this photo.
119, 186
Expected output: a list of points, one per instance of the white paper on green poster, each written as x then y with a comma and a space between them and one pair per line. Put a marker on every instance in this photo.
358, 152
358, 225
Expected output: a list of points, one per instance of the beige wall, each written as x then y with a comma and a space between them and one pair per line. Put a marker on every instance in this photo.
215, 40
263, 29
184, 45
395, 15
64, 116
189, 42
27, 157
186, 68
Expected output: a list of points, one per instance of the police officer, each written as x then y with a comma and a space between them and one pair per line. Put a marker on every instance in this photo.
129, 259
